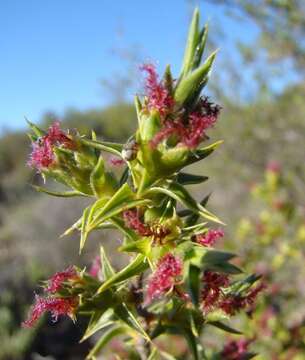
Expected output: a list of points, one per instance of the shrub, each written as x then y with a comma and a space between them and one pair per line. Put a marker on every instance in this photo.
175, 281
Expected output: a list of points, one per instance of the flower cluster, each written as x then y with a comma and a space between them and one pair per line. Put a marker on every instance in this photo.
169, 268
57, 280
192, 130
236, 350
210, 237
158, 97
212, 289
42, 155
156, 231
214, 296
133, 221
56, 305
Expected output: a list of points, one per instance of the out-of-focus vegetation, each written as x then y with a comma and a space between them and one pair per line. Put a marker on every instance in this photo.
267, 127
282, 25
272, 238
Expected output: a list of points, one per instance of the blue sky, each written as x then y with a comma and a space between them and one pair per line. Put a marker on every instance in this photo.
54, 52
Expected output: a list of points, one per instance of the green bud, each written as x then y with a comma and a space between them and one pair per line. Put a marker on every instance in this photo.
102, 183
149, 126
191, 45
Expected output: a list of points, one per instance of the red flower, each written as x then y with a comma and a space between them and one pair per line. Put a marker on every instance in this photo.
231, 304
252, 295
169, 128
235, 350
132, 220
42, 155
164, 278
210, 237
95, 267
158, 96
212, 289
198, 123
56, 281
56, 136
57, 307
191, 131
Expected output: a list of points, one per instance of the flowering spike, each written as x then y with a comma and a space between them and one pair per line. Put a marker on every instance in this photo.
212, 289
132, 220
231, 304
57, 307
164, 278
210, 237
157, 95
42, 155
193, 131
56, 281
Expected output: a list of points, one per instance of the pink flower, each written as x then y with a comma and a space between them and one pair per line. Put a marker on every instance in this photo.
156, 231
158, 96
57, 280
95, 267
169, 129
191, 131
56, 136
235, 350
57, 307
210, 237
42, 155
198, 123
132, 220
165, 277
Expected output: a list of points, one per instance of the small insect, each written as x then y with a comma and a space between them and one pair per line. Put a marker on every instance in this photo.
130, 150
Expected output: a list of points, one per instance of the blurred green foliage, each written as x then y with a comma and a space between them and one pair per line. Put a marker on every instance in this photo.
272, 239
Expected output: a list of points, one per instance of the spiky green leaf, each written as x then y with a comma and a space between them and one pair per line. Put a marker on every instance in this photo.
189, 179
105, 339
135, 267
